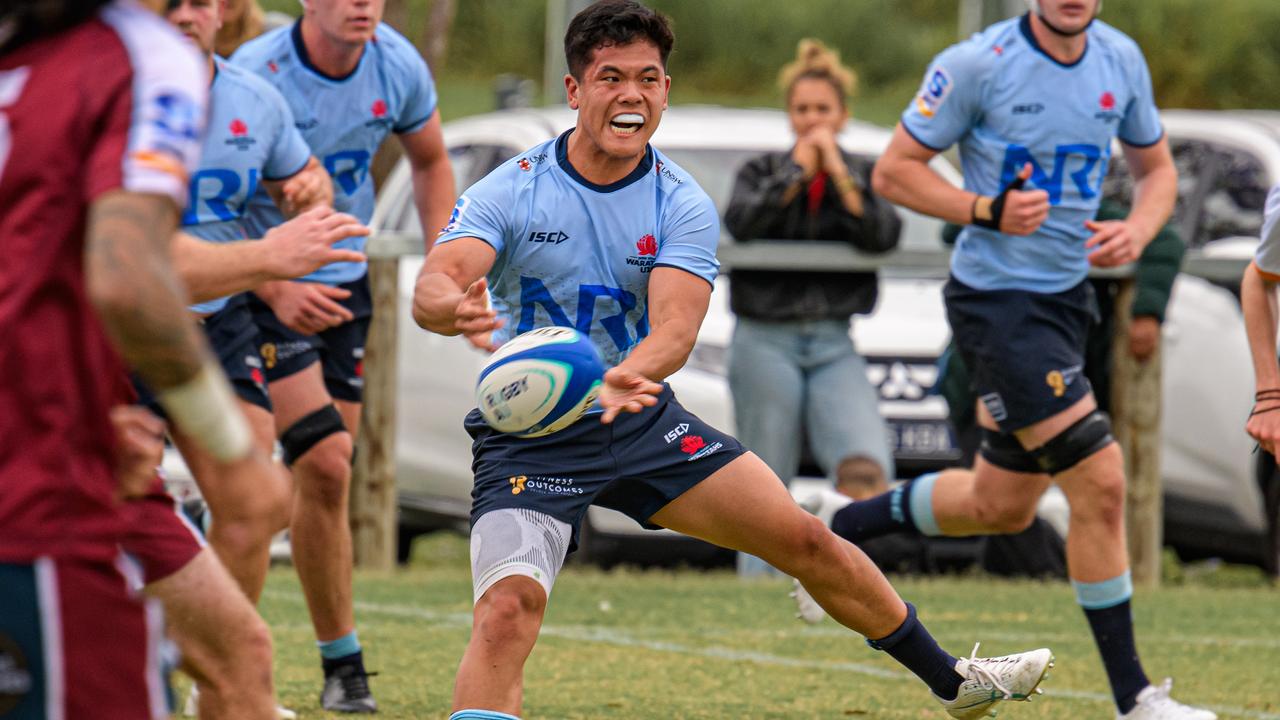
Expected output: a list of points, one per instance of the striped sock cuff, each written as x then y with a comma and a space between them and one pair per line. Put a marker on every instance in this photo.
481, 715
921, 501
333, 649
1105, 594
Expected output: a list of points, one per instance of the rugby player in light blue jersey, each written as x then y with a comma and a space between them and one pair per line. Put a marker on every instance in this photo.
350, 81
250, 141
1258, 300
1034, 104
599, 231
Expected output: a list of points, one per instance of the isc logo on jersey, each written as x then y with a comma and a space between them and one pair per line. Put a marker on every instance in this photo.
937, 86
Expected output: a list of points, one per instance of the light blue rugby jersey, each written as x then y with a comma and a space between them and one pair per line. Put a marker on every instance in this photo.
250, 138
344, 120
1267, 256
1008, 103
575, 254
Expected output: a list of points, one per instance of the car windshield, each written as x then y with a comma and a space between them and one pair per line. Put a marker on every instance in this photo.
716, 168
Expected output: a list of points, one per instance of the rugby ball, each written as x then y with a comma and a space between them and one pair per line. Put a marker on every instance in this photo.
540, 382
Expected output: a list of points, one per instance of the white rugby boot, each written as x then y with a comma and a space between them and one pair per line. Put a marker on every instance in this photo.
988, 681
1154, 703
824, 505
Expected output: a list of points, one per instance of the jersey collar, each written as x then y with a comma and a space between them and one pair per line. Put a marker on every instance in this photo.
300, 48
562, 159
1025, 26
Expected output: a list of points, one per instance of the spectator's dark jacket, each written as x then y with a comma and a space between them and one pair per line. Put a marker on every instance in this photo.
756, 212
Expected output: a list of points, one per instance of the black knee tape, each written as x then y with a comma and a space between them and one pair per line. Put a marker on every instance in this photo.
1085, 437
1004, 451
304, 434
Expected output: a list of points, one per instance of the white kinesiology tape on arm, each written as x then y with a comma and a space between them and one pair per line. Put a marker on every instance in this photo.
205, 409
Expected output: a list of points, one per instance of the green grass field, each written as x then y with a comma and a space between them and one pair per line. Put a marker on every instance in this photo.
688, 644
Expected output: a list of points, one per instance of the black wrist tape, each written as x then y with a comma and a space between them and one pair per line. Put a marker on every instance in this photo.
997, 205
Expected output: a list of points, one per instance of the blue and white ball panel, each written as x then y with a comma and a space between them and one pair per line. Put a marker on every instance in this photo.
540, 382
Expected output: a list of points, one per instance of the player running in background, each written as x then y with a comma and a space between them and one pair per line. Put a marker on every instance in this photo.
90, 193
349, 81
1258, 299
636, 270
251, 140
1035, 103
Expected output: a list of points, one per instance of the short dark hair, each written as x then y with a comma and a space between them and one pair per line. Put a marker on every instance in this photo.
614, 22
24, 20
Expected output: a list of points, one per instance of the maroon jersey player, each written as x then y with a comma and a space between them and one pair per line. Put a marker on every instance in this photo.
101, 108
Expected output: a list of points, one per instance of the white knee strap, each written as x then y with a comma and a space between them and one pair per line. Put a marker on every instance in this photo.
517, 542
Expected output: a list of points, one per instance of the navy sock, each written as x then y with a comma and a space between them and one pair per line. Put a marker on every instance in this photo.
913, 646
330, 664
883, 514
1113, 632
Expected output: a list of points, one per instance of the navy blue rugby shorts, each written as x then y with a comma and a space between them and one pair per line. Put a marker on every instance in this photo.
234, 338
340, 350
635, 465
1024, 350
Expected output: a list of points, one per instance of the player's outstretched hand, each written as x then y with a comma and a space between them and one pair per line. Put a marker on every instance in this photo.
308, 307
139, 448
475, 319
304, 244
1264, 424
625, 390
1114, 242
1023, 211
309, 188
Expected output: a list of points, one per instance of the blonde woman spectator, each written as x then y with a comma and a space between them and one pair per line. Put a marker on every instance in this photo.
793, 369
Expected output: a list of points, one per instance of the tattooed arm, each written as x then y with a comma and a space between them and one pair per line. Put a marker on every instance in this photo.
131, 283
297, 247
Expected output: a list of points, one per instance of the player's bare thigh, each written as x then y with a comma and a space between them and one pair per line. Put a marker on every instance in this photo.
350, 412
261, 423
1045, 430
298, 395
741, 506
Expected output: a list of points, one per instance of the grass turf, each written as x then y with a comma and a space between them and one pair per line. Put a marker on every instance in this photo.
662, 644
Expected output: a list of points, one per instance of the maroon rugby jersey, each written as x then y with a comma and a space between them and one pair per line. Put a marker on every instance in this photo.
115, 103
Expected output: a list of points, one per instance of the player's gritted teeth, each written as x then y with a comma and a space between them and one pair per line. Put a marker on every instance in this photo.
626, 124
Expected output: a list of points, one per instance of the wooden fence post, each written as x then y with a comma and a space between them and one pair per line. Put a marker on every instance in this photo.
373, 485
1135, 412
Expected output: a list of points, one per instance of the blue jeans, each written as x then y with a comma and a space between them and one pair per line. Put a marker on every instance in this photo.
789, 375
